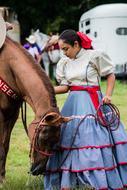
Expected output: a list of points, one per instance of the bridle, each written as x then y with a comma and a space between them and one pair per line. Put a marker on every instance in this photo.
34, 146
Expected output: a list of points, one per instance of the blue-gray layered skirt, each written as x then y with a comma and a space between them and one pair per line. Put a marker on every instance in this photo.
87, 154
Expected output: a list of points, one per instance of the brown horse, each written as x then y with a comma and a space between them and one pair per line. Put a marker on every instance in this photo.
30, 83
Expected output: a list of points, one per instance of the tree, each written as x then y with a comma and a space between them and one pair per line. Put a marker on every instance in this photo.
51, 16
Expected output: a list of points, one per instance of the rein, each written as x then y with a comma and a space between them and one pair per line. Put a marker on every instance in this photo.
101, 116
102, 119
24, 116
107, 115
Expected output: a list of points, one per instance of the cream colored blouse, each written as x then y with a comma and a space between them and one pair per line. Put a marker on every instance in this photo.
85, 69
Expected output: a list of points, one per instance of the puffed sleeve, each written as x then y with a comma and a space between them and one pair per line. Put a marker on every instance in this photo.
61, 71
103, 63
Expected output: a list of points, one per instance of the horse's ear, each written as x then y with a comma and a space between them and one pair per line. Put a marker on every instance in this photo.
38, 30
55, 119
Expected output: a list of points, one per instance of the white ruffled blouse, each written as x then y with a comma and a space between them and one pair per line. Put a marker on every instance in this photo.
85, 69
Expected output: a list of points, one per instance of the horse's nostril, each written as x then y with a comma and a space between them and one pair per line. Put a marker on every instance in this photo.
37, 169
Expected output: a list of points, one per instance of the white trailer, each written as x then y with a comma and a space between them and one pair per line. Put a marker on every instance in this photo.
106, 25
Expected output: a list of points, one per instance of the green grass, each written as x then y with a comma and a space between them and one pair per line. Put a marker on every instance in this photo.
18, 162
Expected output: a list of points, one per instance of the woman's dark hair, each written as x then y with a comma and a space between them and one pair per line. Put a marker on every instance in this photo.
70, 36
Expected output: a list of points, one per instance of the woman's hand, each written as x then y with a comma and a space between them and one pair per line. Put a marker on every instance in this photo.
61, 89
107, 99
109, 91
9, 26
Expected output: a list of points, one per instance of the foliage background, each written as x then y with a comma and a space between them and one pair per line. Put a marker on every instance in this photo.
51, 15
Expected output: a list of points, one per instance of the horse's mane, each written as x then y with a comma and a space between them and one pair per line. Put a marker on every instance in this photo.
37, 68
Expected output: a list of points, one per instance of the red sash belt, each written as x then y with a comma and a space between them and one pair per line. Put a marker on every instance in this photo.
92, 92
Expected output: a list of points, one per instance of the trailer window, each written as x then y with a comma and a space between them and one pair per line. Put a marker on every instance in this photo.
121, 31
82, 25
87, 22
87, 31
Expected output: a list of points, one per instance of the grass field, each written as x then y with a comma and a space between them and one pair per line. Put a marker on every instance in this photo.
18, 162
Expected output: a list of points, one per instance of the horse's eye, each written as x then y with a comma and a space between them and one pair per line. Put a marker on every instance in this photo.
45, 130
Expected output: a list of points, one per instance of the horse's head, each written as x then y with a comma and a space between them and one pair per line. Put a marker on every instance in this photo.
41, 39
45, 137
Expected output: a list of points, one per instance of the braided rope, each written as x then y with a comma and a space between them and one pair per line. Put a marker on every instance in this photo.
108, 116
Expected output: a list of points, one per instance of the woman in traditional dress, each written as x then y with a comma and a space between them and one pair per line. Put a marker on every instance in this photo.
89, 154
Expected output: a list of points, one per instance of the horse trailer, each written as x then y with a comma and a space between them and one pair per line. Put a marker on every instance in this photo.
106, 25
10, 16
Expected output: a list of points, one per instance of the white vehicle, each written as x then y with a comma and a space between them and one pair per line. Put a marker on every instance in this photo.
10, 16
106, 25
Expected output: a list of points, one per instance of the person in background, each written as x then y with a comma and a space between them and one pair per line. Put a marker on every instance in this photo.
88, 154
9, 26
32, 47
54, 55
